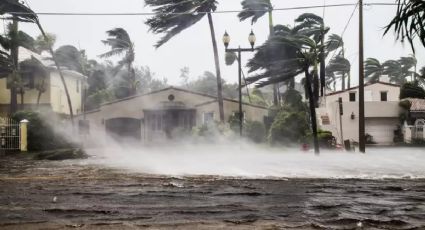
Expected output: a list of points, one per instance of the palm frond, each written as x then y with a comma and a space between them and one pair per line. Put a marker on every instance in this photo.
254, 9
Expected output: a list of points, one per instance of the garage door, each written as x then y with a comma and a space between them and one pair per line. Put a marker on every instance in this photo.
382, 130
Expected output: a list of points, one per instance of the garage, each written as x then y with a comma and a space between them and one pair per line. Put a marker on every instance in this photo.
381, 129
123, 128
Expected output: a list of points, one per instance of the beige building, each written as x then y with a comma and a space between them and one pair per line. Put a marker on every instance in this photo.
164, 113
382, 113
54, 97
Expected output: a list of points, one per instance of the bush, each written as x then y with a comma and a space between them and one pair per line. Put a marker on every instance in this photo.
255, 131
289, 127
412, 90
40, 134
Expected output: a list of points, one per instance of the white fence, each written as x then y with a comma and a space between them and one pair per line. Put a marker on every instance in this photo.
9, 134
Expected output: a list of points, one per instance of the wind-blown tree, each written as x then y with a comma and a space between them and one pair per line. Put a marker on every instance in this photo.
408, 67
41, 44
373, 69
174, 16
394, 70
121, 44
33, 74
11, 41
22, 13
339, 67
336, 44
255, 9
286, 55
409, 21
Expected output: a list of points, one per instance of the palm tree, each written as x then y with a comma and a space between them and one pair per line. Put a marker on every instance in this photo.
409, 21
174, 16
373, 69
255, 9
407, 64
121, 44
336, 44
394, 70
11, 41
340, 66
22, 13
285, 56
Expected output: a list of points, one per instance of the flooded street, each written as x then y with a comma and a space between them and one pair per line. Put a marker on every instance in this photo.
89, 196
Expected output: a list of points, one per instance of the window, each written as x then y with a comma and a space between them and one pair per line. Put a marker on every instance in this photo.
352, 96
208, 118
384, 96
78, 86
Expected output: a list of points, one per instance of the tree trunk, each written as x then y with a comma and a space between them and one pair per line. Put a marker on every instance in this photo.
40, 91
68, 98
322, 64
275, 86
348, 80
14, 51
217, 69
22, 92
343, 81
316, 87
312, 111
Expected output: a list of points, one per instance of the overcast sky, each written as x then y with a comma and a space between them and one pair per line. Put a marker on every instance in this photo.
193, 47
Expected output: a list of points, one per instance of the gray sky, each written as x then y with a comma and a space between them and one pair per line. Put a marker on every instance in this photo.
193, 47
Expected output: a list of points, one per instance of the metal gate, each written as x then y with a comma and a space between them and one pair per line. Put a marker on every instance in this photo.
9, 134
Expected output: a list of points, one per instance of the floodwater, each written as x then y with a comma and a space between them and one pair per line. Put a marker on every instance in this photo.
349, 191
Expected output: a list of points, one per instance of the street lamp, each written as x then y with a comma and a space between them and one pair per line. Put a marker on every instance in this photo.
239, 50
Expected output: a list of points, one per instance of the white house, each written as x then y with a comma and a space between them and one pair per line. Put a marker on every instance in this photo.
382, 113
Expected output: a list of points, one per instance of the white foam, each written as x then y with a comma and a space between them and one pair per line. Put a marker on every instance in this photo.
251, 161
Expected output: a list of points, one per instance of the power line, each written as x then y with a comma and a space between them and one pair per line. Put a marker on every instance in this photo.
184, 13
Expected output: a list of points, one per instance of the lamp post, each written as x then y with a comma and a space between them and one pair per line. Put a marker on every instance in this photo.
239, 50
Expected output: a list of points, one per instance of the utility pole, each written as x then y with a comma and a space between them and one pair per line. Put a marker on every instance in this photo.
362, 144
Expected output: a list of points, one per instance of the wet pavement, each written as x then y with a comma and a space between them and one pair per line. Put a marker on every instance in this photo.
94, 197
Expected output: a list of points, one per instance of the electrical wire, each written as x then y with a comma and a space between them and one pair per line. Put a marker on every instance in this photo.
214, 12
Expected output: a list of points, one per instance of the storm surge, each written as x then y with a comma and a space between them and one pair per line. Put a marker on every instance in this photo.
258, 162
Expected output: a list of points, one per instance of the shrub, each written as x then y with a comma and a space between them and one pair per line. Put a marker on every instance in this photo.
41, 136
255, 131
412, 90
289, 127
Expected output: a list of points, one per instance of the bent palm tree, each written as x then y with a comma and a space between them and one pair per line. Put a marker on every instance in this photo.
283, 57
121, 44
255, 9
22, 13
407, 64
339, 66
174, 16
373, 69
394, 70
409, 21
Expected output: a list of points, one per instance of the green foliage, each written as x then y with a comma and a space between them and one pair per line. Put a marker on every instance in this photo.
411, 90
289, 127
207, 83
96, 99
42, 45
409, 21
41, 136
405, 104
255, 131
230, 58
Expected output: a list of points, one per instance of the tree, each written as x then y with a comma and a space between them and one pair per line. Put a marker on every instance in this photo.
286, 55
373, 69
11, 41
174, 16
338, 61
207, 84
22, 13
409, 21
255, 9
407, 64
411, 90
121, 44
340, 66
394, 70
42, 44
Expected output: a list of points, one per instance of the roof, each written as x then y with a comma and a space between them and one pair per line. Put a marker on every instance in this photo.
182, 90
417, 104
367, 84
